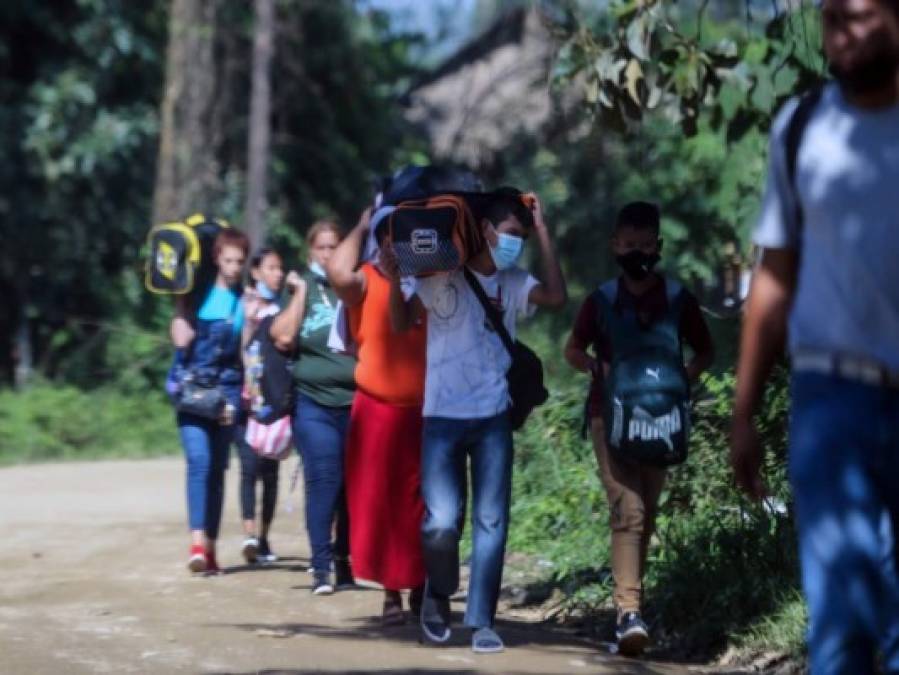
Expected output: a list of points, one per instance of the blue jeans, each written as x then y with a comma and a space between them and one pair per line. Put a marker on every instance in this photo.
320, 435
446, 445
206, 445
844, 468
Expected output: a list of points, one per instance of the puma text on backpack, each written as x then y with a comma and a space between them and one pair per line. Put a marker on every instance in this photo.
647, 414
179, 255
268, 377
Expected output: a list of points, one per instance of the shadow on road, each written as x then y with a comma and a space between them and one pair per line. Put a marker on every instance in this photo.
286, 564
548, 638
393, 671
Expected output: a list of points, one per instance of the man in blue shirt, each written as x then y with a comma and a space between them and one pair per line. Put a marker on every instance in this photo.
829, 277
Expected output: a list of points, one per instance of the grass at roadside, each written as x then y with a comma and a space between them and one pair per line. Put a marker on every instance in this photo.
51, 422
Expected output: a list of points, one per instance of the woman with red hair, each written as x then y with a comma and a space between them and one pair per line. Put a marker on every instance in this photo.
208, 337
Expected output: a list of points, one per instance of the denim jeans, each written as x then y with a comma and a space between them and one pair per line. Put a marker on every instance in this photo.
844, 468
446, 445
254, 468
206, 444
320, 435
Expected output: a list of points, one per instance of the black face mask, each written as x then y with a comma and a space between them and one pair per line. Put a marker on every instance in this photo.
638, 265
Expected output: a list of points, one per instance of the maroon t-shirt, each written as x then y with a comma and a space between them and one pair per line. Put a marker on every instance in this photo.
649, 306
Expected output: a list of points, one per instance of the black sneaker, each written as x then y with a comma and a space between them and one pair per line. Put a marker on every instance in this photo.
265, 553
321, 584
632, 634
343, 575
415, 599
435, 616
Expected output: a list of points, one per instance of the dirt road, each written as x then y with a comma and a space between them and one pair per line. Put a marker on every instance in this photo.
94, 581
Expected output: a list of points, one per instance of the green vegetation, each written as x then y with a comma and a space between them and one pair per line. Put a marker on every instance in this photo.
50, 422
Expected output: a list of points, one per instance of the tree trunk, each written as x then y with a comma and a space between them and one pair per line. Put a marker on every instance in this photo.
258, 151
22, 356
187, 173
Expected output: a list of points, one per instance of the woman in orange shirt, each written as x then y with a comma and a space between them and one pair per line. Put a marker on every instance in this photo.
382, 465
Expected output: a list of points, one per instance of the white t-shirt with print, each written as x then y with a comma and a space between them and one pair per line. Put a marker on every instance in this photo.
467, 361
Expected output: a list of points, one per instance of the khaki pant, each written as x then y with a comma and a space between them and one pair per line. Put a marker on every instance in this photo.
633, 491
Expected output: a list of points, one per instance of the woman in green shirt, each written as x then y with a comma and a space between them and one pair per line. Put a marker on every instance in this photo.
325, 387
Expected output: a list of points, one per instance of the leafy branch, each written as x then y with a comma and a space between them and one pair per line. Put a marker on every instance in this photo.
647, 57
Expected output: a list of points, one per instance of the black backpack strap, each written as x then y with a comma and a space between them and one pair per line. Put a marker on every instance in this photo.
793, 140
496, 320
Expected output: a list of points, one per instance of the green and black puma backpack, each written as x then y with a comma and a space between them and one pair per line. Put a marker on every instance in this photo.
647, 406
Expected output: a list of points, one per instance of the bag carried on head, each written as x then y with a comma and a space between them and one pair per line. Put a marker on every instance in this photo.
435, 234
179, 255
440, 233
647, 414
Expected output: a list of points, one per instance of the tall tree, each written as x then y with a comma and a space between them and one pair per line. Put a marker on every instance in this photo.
259, 152
188, 174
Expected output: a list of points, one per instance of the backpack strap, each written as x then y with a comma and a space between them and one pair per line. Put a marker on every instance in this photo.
496, 320
793, 141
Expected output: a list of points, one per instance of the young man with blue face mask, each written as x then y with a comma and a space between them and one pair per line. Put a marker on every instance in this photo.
466, 408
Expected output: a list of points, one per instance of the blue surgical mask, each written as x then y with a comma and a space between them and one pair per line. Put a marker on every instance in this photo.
318, 270
265, 292
507, 250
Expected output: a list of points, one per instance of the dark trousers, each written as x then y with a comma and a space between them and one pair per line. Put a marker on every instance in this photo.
254, 468
320, 435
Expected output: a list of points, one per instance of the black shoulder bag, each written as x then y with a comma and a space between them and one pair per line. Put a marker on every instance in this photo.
525, 376
201, 395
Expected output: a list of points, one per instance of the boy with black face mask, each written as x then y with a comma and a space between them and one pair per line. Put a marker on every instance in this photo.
648, 303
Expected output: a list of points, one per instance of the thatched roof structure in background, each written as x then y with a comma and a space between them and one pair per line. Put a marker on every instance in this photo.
496, 86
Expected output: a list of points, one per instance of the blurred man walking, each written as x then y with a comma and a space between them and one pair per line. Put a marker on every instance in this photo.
829, 234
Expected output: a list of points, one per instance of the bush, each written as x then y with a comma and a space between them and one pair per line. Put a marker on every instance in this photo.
49, 421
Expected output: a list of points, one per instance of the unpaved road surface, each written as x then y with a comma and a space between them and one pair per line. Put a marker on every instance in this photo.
93, 580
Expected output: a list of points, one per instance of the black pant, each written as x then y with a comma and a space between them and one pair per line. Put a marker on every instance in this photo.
253, 467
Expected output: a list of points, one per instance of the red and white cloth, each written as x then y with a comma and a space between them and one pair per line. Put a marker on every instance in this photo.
271, 441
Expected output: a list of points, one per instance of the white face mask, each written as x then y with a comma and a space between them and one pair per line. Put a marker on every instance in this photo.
507, 251
265, 292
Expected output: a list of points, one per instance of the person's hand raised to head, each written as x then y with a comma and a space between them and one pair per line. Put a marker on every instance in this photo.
536, 210
364, 219
294, 282
389, 264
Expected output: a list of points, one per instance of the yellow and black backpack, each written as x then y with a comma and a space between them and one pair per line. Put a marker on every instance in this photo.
179, 254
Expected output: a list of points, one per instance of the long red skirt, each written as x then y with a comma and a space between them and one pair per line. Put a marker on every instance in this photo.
383, 489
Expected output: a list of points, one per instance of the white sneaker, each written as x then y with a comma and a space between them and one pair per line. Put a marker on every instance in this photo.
250, 549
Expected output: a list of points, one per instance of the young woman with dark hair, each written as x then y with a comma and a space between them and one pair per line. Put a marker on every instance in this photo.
261, 300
